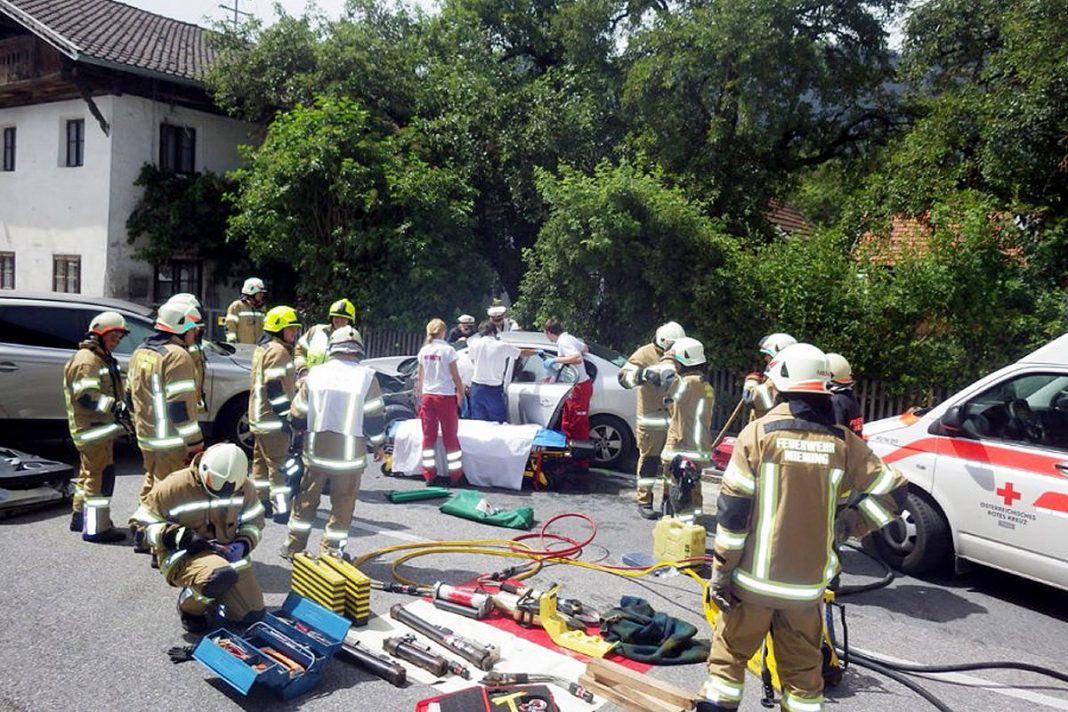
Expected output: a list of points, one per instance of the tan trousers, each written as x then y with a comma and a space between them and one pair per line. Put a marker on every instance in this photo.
268, 454
344, 486
243, 598
739, 633
158, 464
95, 457
650, 443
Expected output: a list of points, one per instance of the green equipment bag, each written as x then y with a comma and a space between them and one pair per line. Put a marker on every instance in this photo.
401, 496
472, 505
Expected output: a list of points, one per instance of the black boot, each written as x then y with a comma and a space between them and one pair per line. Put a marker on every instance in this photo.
710, 706
140, 545
646, 511
77, 521
108, 536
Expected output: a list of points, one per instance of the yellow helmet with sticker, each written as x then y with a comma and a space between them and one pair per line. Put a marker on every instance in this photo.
279, 318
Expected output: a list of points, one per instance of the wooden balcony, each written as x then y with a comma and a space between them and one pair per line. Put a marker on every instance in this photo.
18, 59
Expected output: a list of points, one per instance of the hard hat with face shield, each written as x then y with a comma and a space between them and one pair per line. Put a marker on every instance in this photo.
800, 368
668, 334
223, 469
177, 318
253, 285
346, 340
841, 371
106, 322
772, 344
688, 351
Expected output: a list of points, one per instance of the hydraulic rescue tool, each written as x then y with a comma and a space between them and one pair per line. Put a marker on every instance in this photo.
503, 679
483, 656
478, 602
522, 602
405, 648
380, 665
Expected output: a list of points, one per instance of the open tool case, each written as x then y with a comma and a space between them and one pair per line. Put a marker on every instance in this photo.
301, 630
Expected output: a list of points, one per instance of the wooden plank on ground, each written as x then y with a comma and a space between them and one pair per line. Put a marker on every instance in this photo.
627, 698
616, 675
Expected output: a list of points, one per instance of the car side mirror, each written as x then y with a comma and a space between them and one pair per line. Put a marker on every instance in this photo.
952, 420
225, 347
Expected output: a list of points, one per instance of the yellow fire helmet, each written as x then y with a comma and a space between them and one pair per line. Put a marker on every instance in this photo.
344, 309
278, 318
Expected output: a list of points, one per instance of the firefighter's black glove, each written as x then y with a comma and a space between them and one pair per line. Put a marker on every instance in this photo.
186, 538
180, 653
720, 587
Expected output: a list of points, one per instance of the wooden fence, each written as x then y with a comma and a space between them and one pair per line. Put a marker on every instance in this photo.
877, 399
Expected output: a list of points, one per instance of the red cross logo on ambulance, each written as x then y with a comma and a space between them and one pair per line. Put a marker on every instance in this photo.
1009, 493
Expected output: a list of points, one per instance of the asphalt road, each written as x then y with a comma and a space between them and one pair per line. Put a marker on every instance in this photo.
86, 626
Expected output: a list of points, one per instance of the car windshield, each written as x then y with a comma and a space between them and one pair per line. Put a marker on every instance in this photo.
611, 355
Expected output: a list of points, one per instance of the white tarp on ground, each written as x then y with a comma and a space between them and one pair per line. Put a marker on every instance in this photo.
517, 654
495, 454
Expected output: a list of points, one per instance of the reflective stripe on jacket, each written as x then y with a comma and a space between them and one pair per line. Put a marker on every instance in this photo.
244, 322
778, 501
91, 386
163, 390
690, 432
274, 383
181, 501
652, 412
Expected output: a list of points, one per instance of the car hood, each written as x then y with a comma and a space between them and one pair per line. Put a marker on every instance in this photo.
241, 357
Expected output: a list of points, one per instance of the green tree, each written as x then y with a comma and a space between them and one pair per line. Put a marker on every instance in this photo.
357, 213
182, 215
619, 254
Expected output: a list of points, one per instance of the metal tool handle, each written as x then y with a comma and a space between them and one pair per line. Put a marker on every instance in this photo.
420, 657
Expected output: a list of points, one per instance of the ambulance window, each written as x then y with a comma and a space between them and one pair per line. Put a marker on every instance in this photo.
1031, 409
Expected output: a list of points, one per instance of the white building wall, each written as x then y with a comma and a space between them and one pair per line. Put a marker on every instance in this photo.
136, 127
49, 209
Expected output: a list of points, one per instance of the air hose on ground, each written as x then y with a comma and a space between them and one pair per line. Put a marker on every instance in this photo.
565, 550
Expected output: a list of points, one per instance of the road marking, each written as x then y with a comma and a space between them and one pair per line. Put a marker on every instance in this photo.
972, 681
392, 534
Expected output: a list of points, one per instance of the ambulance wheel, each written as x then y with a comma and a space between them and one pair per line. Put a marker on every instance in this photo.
919, 541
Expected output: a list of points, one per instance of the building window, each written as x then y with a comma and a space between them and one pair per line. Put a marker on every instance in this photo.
67, 273
75, 142
177, 277
177, 148
7, 270
9, 148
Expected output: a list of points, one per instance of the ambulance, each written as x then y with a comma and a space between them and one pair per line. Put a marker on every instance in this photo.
988, 474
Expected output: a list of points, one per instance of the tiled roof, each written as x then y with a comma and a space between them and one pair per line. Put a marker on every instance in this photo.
787, 218
909, 235
113, 32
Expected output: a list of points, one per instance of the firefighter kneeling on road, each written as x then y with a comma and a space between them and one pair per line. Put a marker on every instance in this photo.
96, 402
203, 522
774, 555
340, 407
642, 373
274, 383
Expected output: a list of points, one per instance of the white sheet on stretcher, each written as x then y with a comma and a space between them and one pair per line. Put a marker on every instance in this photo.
495, 454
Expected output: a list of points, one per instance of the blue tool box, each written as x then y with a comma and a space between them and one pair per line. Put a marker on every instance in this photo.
301, 630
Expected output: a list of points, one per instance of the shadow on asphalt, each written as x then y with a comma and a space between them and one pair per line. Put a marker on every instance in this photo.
856, 682
928, 603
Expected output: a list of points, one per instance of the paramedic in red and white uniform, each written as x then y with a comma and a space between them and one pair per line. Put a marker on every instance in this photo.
569, 352
438, 385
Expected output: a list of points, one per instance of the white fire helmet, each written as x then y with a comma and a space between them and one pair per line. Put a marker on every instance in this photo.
108, 321
253, 285
841, 371
799, 368
668, 334
223, 468
688, 352
772, 344
177, 318
346, 340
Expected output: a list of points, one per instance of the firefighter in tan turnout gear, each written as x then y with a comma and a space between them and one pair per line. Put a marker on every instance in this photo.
312, 346
340, 408
792, 472
196, 349
643, 373
92, 387
203, 521
757, 391
691, 401
274, 383
244, 316
163, 392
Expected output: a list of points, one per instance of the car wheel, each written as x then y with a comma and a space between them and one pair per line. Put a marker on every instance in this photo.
612, 440
232, 423
919, 541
